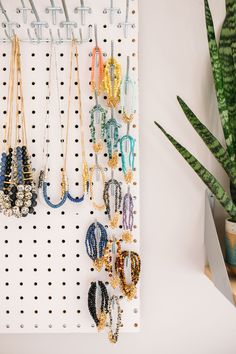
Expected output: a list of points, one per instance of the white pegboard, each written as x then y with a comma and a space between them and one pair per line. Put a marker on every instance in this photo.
45, 271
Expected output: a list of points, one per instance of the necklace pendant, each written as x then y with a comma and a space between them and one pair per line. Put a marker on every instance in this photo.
127, 236
113, 162
98, 264
115, 281
128, 176
102, 321
114, 221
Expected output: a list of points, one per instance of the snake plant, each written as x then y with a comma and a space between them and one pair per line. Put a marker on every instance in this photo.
223, 63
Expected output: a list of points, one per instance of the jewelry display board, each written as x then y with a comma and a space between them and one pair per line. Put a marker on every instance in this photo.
45, 272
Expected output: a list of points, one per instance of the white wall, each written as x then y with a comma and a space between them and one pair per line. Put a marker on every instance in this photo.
181, 310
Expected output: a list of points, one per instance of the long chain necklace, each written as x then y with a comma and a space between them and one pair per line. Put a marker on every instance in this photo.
43, 178
97, 121
99, 318
18, 193
114, 301
85, 172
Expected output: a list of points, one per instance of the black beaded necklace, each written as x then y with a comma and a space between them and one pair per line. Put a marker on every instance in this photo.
99, 319
113, 183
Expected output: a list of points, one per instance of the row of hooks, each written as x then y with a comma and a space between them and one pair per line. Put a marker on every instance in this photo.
38, 24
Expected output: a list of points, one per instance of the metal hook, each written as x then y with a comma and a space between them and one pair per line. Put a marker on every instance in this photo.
96, 97
96, 160
112, 50
97, 229
82, 9
113, 244
127, 74
127, 67
51, 35
54, 10
60, 40
113, 303
8, 25
128, 189
97, 169
38, 24
112, 112
7, 34
96, 36
126, 24
24, 11
31, 39
111, 10
4, 12
69, 25
80, 36
85, 39
112, 184
127, 260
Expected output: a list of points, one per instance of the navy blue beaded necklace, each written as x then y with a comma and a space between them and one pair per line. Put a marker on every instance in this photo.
95, 242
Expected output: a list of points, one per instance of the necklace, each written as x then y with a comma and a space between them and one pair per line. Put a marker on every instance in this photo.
43, 177
113, 249
114, 185
128, 171
127, 217
127, 94
18, 193
114, 301
99, 171
97, 117
112, 138
96, 241
112, 80
129, 290
99, 319
85, 172
97, 71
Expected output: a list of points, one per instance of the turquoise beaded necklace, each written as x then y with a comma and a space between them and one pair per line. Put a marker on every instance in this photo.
127, 165
97, 118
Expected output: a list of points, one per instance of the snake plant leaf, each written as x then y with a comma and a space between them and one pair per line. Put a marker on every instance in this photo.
210, 181
218, 80
227, 51
220, 153
227, 57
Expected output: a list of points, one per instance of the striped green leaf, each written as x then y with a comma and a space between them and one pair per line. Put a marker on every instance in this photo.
219, 84
210, 181
220, 153
227, 54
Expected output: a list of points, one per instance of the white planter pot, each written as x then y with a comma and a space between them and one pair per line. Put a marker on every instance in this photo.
230, 245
